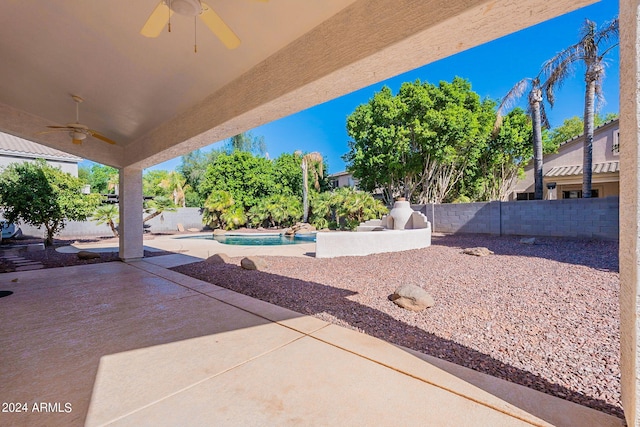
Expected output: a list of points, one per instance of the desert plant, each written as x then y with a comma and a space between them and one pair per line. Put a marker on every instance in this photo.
107, 214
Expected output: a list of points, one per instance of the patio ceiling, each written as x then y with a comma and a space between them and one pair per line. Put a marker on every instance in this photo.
158, 99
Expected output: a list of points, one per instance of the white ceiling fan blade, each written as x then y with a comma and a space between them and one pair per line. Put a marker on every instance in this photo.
157, 21
219, 27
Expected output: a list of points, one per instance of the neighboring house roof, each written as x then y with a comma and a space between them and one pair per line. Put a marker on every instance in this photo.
14, 146
605, 167
337, 174
594, 131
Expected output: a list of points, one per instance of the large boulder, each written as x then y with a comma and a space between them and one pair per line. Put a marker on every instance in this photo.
218, 259
479, 251
412, 298
88, 255
219, 232
253, 263
299, 228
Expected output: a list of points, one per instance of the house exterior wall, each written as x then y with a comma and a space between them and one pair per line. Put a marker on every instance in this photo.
343, 179
570, 154
68, 167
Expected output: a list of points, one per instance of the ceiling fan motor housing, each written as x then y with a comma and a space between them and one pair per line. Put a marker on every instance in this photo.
186, 7
77, 136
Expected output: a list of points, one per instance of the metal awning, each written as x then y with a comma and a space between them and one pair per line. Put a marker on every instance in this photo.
596, 168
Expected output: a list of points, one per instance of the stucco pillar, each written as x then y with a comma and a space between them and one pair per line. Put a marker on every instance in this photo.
131, 245
629, 207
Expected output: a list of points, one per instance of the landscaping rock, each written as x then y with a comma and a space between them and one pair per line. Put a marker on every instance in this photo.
253, 263
299, 228
479, 251
412, 298
218, 259
88, 255
528, 241
219, 232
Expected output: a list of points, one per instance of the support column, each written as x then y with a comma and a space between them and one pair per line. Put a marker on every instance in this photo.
131, 230
629, 207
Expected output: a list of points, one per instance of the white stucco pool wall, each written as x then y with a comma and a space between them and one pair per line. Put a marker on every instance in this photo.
347, 243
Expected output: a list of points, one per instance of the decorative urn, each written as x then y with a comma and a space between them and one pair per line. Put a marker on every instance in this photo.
401, 214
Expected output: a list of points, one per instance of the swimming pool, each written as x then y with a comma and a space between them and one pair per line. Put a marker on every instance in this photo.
262, 239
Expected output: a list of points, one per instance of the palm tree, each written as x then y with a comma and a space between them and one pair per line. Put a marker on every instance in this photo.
311, 161
218, 202
594, 44
175, 183
538, 120
157, 206
107, 214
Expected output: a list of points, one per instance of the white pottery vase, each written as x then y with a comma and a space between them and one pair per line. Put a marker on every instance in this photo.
401, 214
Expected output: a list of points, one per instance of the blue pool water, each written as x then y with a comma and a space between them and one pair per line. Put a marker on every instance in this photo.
258, 239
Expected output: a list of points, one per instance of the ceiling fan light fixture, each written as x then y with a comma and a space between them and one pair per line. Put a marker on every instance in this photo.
186, 7
77, 137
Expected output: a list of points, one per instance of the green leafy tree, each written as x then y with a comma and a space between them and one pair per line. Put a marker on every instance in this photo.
103, 179
41, 195
287, 177
418, 143
574, 127
152, 183
378, 137
503, 159
107, 214
246, 177
84, 174
246, 142
594, 44
193, 168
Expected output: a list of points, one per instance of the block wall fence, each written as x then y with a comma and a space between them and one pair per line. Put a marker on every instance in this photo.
584, 218
168, 221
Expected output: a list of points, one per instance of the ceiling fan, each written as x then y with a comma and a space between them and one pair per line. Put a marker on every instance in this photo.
161, 16
78, 132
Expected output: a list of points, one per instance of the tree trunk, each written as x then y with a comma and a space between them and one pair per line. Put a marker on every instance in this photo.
305, 191
49, 239
587, 158
535, 98
151, 216
113, 228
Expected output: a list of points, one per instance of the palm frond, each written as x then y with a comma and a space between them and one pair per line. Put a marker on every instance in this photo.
544, 120
557, 69
509, 101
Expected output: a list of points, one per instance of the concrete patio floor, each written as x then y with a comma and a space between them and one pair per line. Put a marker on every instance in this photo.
136, 344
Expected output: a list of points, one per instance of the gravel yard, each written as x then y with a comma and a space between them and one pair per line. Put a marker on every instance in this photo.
545, 316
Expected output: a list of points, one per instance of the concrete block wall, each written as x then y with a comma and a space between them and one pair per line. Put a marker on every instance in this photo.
588, 218
168, 221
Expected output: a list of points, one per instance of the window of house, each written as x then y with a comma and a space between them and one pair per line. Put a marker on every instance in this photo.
577, 194
525, 196
615, 146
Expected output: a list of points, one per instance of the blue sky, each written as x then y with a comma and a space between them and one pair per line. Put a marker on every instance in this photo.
492, 69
